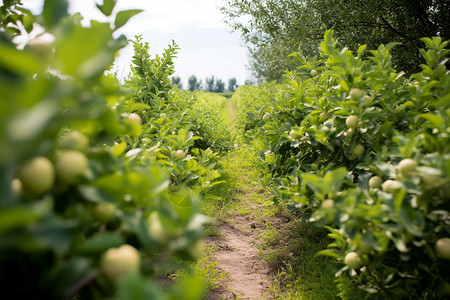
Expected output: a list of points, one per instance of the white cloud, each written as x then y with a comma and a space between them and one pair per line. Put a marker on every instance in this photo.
196, 25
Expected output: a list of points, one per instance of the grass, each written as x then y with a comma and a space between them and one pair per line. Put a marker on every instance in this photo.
288, 246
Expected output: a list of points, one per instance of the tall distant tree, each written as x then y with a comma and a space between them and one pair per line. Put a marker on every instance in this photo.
193, 83
280, 27
176, 80
220, 86
210, 84
232, 84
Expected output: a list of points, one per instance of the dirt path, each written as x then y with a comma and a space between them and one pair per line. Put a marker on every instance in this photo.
237, 255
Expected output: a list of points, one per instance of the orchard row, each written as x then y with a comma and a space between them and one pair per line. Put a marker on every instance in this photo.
101, 181
354, 145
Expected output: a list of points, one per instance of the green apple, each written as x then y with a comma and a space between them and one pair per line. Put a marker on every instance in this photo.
135, 118
350, 132
314, 73
391, 186
16, 187
116, 262
70, 166
104, 212
328, 203
74, 140
163, 115
356, 93
442, 247
180, 154
352, 121
266, 117
407, 167
37, 175
352, 260
358, 150
156, 228
375, 182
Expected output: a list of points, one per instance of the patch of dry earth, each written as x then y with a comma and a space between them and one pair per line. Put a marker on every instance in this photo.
237, 255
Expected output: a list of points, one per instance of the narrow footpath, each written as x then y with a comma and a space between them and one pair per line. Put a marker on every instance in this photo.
239, 231
237, 256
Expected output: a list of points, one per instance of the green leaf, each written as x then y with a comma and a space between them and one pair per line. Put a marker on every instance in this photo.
54, 11
428, 42
135, 286
123, 17
11, 218
328, 252
100, 243
330, 183
18, 61
107, 7
437, 121
56, 234
138, 106
79, 60
119, 148
94, 194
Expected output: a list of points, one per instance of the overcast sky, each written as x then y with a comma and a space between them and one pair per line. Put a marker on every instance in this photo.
207, 46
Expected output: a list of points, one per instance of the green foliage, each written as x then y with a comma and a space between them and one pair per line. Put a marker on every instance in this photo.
273, 29
320, 162
140, 154
150, 79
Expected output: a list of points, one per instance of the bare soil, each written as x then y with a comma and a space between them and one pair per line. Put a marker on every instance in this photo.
237, 255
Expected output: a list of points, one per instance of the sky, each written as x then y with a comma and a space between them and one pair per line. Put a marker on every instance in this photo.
208, 47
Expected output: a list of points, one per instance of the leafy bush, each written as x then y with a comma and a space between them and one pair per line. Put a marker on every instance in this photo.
336, 123
101, 184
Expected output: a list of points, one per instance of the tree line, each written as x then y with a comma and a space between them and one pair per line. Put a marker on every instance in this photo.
212, 84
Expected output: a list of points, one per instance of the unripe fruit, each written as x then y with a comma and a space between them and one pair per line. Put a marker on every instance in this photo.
356, 93
163, 115
352, 260
70, 165
366, 99
391, 186
180, 154
442, 247
351, 121
358, 150
266, 117
322, 116
293, 135
37, 175
104, 212
350, 132
74, 140
328, 203
314, 73
116, 262
135, 118
375, 182
16, 187
407, 167
156, 228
